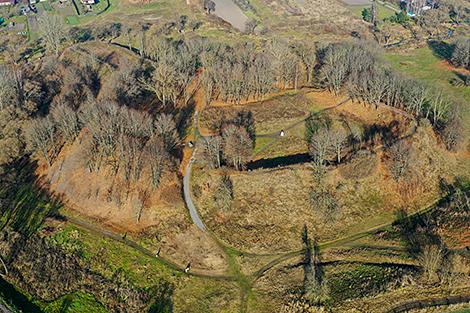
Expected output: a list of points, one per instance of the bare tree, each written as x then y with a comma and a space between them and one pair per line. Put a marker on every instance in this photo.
324, 202
461, 53
66, 121
308, 55
399, 162
237, 146
374, 13
212, 149
157, 158
417, 97
431, 260
453, 133
439, 107
334, 67
320, 146
124, 86
9, 92
431, 20
130, 156
165, 127
284, 63
357, 135
52, 31
338, 139
174, 69
40, 137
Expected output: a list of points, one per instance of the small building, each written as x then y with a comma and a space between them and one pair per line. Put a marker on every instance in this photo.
7, 2
417, 7
88, 2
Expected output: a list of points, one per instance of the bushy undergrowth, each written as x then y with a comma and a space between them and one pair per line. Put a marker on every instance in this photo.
363, 280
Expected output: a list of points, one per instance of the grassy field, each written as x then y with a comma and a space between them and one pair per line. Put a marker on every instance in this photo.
78, 302
271, 206
383, 11
428, 66
106, 256
425, 65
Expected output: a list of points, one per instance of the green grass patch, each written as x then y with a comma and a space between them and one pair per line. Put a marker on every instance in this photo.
425, 65
107, 256
46, 6
262, 143
69, 241
383, 11
72, 20
78, 302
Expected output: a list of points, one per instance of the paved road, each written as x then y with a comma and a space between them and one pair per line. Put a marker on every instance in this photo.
187, 195
230, 12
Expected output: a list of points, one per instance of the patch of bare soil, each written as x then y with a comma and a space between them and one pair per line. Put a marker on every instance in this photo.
158, 217
444, 64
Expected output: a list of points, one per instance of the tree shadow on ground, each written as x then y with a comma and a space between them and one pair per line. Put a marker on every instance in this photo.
281, 161
441, 49
416, 232
420, 230
163, 298
16, 298
24, 202
387, 134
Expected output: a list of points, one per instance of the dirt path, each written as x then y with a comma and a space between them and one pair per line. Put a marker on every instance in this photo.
118, 237
345, 240
432, 302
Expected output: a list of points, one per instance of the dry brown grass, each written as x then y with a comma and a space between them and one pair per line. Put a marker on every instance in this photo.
323, 19
272, 205
270, 115
383, 302
282, 279
163, 223
362, 165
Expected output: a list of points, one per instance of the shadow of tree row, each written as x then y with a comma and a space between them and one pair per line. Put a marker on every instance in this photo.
451, 212
24, 203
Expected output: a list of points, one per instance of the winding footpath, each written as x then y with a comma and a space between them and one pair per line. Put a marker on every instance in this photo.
187, 195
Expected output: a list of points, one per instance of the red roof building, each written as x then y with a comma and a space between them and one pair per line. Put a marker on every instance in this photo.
7, 2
